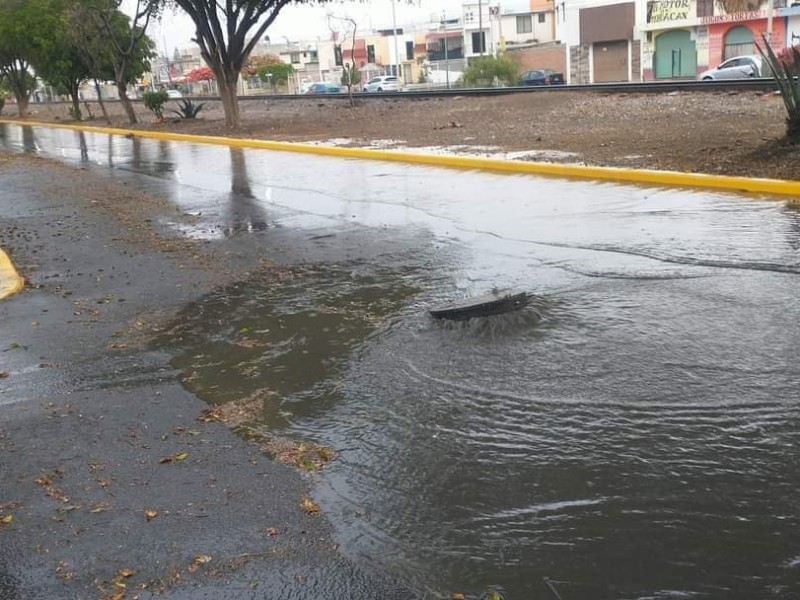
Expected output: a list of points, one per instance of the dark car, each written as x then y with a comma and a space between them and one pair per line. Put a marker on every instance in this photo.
542, 77
323, 88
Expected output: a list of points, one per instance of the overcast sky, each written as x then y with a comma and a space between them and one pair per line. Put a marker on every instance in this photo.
307, 22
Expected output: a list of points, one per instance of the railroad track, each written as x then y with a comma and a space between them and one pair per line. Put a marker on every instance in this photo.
654, 87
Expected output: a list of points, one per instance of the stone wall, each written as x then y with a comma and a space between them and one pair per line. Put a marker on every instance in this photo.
579, 64
636, 60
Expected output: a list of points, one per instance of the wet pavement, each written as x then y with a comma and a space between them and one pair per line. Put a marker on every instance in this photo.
631, 434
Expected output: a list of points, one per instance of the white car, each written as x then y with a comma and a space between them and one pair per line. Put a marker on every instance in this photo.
174, 94
384, 83
738, 67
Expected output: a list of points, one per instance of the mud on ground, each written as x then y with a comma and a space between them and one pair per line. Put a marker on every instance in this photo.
733, 133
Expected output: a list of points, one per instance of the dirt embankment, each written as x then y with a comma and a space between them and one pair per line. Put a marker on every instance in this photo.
734, 133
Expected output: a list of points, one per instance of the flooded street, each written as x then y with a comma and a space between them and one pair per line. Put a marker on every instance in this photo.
633, 434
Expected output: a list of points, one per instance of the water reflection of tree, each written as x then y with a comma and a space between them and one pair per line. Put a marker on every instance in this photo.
792, 212
28, 139
83, 146
246, 212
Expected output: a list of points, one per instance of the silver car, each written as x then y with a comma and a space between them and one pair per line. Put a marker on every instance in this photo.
384, 83
738, 67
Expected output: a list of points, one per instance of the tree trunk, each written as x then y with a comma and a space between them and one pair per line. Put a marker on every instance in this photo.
100, 101
230, 102
793, 129
76, 104
22, 104
126, 103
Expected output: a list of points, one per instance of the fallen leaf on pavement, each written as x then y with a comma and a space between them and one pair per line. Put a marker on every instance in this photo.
150, 514
308, 505
6, 519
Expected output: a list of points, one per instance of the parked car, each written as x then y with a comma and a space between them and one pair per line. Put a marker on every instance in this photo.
323, 87
384, 83
174, 94
738, 67
542, 77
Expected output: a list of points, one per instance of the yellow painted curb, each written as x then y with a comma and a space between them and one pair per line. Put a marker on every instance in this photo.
645, 176
10, 281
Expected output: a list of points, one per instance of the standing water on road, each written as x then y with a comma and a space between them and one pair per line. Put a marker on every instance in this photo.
634, 434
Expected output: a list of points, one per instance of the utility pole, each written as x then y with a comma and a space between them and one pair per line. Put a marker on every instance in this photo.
394, 31
770, 10
446, 57
481, 38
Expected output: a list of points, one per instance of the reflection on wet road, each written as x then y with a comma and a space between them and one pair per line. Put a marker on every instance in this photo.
636, 437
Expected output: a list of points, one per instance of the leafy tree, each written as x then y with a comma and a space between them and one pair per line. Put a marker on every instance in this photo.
227, 32
276, 73
58, 59
23, 25
128, 50
254, 63
484, 71
200, 74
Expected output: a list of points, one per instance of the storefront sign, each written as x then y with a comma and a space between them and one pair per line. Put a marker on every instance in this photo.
662, 11
752, 15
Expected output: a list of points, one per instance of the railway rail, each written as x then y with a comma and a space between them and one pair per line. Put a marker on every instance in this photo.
655, 87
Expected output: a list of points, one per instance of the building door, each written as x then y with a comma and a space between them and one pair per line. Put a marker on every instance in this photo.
610, 61
739, 42
676, 55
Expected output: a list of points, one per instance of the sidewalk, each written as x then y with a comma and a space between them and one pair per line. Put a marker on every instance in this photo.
10, 281
110, 487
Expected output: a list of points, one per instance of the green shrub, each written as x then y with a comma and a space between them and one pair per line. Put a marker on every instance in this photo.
188, 109
486, 70
155, 101
351, 76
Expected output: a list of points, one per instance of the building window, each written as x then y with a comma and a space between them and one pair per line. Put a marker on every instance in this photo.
409, 50
295, 58
478, 42
524, 24
337, 56
705, 8
371, 54
469, 16
541, 17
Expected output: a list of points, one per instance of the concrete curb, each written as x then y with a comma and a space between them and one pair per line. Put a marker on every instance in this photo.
10, 281
777, 187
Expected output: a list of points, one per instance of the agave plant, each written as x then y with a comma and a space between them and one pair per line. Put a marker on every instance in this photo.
785, 68
188, 109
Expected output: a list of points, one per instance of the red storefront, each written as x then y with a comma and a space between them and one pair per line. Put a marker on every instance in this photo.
737, 34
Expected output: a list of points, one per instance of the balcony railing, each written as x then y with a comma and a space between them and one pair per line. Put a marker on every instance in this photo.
452, 54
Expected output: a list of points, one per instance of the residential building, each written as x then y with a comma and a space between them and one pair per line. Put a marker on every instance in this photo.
530, 24
685, 37
478, 35
602, 38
